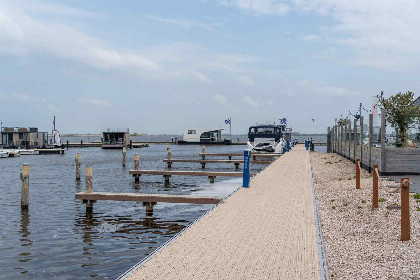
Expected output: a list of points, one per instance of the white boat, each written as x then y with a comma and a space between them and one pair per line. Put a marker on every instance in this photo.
267, 138
4, 154
12, 152
25, 152
203, 137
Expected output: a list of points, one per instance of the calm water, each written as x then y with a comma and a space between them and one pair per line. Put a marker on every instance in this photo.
57, 239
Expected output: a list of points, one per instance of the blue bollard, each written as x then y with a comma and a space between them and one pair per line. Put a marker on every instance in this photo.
288, 145
306, 144
247, 156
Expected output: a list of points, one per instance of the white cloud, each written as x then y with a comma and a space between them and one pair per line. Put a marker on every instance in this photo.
94, 101
310, 38
250, 101
52, 108
34, 100
220, 99
187, 23
259, 7
244, 80
23, 97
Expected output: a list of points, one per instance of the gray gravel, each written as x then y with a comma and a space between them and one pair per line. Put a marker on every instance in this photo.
362, 243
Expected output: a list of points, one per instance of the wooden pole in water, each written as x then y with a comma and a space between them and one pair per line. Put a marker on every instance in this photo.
88, 186
78, 164
124, 153
24, 195
136, 167
405, 209
375, 187
203, 151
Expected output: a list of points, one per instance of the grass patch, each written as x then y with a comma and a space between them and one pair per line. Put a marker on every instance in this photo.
418, 209
339, 179
363, 201
360, 207
416, 196
382, 199
332, 200
334, 208
329, 162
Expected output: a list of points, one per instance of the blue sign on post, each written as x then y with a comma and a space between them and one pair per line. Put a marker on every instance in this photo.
247, 157
306, 144
288, 145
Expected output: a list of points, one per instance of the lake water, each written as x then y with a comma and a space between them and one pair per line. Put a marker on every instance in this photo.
56, 238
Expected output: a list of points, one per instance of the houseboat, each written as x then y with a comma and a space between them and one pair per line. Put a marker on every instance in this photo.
15, 137
203, 137
268, 138
115, 139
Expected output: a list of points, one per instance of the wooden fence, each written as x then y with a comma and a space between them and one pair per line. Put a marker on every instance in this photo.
345, 140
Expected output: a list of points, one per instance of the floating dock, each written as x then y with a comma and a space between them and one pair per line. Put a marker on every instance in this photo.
267, 231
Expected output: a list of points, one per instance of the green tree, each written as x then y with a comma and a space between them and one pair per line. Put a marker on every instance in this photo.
401, 113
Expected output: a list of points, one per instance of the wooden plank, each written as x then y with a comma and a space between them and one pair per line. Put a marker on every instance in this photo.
215, 161
148, 197
239, 155
186, 173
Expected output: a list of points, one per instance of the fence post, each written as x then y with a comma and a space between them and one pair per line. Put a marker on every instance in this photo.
357, 173
383, 136
355, 140
124, 153
370, 140
24, 195
247, 156
375, 186
349, 123
78, 164
361, 140
405, 209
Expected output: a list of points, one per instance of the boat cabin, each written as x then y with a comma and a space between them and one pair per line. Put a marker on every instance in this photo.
22, 137
270, 131
115, 139
203, 136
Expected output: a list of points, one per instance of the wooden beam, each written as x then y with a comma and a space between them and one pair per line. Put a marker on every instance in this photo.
240, 155
215, 161
148, 197
186, 173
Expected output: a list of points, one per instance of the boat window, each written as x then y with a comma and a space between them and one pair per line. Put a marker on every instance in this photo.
264, 130
191, 132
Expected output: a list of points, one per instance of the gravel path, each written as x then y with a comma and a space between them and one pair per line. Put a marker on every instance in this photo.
362, 243
264, 232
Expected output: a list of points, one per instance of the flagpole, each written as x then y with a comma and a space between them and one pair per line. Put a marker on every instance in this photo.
230, 128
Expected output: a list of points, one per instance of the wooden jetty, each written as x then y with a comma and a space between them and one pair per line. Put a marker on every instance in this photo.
99, 144
203, 162
230, 155
148, 197
167, 174
267, 231
50, 151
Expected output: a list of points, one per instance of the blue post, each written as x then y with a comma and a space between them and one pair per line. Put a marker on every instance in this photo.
288, 145
306, 144
247, 156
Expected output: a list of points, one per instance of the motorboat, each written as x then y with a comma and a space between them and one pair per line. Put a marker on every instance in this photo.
4, 154
267, 138
203, 137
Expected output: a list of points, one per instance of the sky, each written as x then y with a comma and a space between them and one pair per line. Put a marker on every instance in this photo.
165, 66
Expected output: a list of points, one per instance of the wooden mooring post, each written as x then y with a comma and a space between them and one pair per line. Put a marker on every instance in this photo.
405, 209
136, 167
375, 186
78, 161
149, 207
203, 151
124, 154
357, 173
24, 195
88, 187
169, 156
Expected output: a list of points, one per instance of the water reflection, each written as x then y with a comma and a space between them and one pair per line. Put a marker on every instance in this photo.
25, 242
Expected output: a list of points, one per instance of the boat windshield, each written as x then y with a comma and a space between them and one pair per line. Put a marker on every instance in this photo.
265, 130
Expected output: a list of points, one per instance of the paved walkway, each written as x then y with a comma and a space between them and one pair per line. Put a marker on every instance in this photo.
264, 232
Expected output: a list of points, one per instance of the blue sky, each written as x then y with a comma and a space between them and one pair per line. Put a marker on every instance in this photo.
164, 66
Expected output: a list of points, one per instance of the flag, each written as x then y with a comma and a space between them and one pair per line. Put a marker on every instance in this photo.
283, 121
227, 121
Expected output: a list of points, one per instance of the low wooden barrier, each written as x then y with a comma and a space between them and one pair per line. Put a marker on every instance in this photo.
230, 155
203, 162
167, 174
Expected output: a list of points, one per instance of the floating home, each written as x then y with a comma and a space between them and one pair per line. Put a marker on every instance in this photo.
22, 137
115, 139
204, 137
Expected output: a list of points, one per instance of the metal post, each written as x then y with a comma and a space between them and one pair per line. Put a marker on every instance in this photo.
24, 195
361, 140
383, 136
405, 209
354, 140
370, 140
247, 156
375, 187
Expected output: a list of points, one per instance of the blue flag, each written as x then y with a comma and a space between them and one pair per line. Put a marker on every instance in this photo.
227, 121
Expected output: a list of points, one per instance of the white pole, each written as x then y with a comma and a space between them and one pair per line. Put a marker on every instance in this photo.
230, 128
